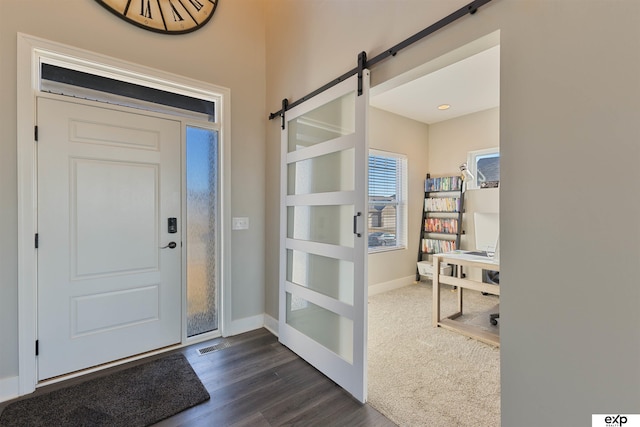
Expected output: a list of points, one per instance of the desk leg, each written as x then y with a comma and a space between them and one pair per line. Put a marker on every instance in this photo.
436, 291
460, 290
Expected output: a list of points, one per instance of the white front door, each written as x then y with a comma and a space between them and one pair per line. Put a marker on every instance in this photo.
323, 239
108, 182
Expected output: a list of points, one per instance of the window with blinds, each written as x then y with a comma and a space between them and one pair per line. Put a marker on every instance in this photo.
387, 219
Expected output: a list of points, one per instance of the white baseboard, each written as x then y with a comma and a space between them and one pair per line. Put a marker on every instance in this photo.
379, 288
240, 326
271, 324
9, 388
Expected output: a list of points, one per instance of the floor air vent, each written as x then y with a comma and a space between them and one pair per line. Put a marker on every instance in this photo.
210, 349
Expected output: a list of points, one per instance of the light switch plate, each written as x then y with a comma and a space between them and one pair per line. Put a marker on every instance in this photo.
240, 223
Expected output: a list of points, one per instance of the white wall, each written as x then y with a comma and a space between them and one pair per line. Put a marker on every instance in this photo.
451, 140
229, 51
569, 109
390, 132
449, 143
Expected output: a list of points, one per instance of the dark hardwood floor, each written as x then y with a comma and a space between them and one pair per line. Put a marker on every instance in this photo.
255, 381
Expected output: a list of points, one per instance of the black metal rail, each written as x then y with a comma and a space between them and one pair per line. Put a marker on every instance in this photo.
363, 62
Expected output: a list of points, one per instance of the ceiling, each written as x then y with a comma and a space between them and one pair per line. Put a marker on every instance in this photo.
469, 85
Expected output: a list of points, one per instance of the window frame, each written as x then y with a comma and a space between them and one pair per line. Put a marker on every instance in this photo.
401, 203
472, 161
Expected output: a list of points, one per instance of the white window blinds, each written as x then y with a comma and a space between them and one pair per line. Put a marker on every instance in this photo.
387, 217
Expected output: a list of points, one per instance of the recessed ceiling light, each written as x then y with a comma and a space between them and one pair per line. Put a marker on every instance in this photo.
444, 107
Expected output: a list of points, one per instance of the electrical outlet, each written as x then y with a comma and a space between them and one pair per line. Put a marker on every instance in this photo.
240, 223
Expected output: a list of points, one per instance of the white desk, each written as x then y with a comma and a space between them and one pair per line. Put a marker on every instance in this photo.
463, 259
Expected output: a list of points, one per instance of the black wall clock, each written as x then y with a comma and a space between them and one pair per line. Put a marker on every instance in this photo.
164, 16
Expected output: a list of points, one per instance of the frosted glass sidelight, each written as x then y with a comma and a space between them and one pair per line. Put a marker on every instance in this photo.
331, 172
323, 326
331, 224
202, 218
330, 276
327, 122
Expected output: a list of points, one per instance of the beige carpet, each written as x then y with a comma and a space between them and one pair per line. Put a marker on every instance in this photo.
425, 376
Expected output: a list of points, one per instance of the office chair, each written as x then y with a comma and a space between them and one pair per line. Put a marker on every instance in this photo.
490, 276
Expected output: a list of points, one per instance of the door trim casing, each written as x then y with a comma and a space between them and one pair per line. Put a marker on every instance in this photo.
30, 50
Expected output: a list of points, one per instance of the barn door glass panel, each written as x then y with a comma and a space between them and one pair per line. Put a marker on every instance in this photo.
329, 276
336, 332
322, 174
327, 122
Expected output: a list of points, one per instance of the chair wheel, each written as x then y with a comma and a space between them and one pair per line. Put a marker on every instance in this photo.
494, 322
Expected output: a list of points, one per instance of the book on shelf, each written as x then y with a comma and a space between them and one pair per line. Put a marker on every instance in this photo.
442, 204
434, 246
445, 183
441, 225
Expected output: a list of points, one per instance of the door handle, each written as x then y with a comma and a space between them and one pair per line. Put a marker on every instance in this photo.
355, 224
171, 245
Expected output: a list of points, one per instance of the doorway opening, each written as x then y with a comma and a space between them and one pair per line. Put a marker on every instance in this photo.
435, 141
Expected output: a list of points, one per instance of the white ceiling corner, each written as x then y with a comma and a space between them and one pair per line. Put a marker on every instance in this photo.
468, 85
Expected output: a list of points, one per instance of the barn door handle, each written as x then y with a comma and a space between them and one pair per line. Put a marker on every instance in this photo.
171, 245
355, 224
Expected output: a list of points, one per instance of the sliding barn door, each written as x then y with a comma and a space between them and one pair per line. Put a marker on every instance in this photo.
323, 233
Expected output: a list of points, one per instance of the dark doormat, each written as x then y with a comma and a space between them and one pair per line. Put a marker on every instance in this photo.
137, 396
